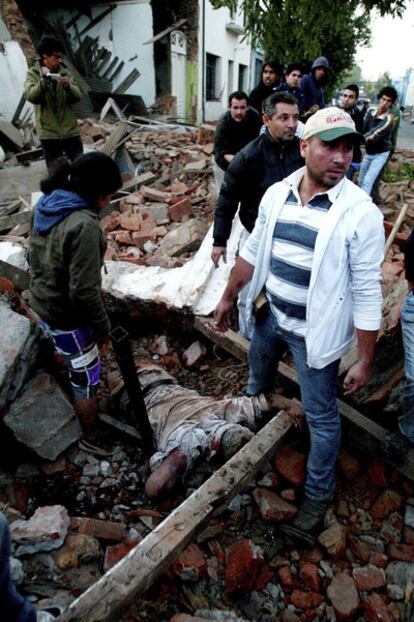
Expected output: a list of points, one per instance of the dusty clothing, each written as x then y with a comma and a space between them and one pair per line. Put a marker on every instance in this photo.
54, 116
182, 418
65, 269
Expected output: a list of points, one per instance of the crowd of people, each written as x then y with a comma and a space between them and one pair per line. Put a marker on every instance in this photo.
307, 275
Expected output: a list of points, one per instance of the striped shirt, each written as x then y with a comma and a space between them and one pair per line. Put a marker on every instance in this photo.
294, 238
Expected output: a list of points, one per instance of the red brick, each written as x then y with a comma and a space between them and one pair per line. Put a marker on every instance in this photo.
401, 552
334, 540
6, 286
244, 564
286, 578
348, 466
305, 600
114, 553
388, 501
375, 610
154, 195
361, 550
309, 574
101, 529
123, 237
344, 597
110, 222
291, 465
179, 209
272, 507
376, 472
191, 565
369, 578
379, 560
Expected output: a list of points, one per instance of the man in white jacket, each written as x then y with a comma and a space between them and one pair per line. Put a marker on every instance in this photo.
316, 249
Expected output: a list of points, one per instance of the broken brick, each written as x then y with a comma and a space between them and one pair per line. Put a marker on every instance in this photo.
291, 465
369, 578
194, 355
388, 501
348, 466
154, 195
344, 597
375, 609
191, 565
244, 563
305, 600
101, 529
334, 540
401, 552
115, 552
309, 573
272, 507
179, 209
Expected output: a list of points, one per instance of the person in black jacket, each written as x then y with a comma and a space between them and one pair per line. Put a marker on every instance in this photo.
269, 158
236, 127
349, 104
293, 77
271, 75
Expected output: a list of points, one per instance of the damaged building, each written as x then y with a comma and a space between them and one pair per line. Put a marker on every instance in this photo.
88, 537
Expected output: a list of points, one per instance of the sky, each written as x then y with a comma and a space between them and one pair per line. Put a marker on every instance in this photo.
392, 46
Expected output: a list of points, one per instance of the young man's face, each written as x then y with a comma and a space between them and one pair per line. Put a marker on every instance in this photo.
282, 125
327, 162
293, 78
269, 75
238, 109
320, 73
349, 99
52, 61
385, 103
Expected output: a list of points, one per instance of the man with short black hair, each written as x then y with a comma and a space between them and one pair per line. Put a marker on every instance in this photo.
267, 159
52, 90
378, 128
271, 75
293, 78
316, 250
349, 104
236, 127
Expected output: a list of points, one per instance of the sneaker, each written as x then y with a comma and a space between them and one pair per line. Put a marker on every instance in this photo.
396, 445
306, 523
233, 439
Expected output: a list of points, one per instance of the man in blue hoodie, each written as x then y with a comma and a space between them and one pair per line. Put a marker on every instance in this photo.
312, 86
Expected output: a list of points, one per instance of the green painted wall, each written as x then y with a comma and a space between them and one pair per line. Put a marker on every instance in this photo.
191, 95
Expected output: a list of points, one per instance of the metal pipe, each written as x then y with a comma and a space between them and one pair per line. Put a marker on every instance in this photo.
122, 349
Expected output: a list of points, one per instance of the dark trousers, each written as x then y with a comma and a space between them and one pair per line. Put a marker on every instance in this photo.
13, 607
54, 148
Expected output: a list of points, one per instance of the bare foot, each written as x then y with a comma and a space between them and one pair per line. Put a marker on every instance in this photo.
164, 479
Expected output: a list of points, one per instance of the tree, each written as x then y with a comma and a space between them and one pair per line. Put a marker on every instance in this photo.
301, 30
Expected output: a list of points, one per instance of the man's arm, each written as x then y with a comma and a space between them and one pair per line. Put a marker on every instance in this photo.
35, 87
366, 252
239, 277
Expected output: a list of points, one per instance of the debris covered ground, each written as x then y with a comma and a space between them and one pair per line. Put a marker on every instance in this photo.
74, 514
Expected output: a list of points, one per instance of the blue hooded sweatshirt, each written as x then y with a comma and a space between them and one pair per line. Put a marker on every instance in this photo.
52, 208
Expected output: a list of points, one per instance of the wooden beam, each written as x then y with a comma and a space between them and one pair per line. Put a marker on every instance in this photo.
162, 34
136, 572
369, 433
394, 230
8, 222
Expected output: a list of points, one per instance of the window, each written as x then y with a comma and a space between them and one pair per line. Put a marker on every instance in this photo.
230, 77
211, 77
242, 84
258, 67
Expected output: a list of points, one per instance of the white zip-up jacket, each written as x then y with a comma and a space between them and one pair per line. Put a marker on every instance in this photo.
345, 286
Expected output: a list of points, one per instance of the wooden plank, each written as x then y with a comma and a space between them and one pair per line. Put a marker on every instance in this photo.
11, 133
5, 210
127, 82
167, 31
8, 222
136, 572
20, 278
394, 230
133, 184
238, 346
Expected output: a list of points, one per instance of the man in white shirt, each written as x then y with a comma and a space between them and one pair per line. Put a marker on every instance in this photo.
316, 248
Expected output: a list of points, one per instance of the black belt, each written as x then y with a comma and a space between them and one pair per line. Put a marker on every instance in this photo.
157, 383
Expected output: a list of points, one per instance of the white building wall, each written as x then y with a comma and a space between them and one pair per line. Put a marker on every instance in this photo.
226, 46
13, 69
124, 32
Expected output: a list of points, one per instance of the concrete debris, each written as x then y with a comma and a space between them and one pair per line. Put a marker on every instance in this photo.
45, 531
43, 419
18, 352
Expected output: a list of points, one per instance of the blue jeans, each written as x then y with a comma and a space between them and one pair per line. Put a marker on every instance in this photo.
13, 607
406, 421
318, 389
370, 169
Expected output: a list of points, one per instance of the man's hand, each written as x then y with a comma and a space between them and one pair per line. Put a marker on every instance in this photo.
45, 71
65, 82
222, 315
357, 377
216, 253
